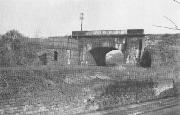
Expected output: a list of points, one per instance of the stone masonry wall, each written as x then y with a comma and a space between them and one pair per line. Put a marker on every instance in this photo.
163, 48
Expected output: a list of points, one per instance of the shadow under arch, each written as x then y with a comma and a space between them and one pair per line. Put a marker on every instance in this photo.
146, 59
99, 54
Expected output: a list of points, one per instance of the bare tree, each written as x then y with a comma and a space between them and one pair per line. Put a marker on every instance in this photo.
175, 26
172, 28
170, 20
176, 1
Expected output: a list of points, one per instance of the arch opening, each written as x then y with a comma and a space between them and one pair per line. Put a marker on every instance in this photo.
146, 59
99, 54
43, 59
55, 55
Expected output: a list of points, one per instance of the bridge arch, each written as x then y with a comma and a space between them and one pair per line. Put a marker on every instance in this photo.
99, 54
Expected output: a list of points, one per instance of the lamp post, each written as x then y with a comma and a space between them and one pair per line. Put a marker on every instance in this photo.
81, 18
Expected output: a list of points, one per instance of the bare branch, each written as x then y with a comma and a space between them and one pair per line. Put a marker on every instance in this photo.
172, 28
171, 21
176, 1
166, 27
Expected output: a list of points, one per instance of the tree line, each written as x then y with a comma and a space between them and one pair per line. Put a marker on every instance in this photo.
17, 49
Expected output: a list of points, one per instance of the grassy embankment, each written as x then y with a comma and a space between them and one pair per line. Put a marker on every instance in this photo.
87, 88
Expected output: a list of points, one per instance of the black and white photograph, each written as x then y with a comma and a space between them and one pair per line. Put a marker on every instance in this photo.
89, 57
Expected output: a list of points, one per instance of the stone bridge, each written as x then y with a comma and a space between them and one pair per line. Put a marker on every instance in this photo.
94, 45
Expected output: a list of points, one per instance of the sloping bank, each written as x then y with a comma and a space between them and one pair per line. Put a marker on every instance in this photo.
34, 91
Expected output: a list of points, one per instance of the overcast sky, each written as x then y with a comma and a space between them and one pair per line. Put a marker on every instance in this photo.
60, 17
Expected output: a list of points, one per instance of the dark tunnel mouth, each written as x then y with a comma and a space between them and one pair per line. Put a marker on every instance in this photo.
99, 54
146, 59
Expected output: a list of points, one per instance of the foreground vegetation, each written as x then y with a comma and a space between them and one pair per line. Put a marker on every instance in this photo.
86, 90
17, 50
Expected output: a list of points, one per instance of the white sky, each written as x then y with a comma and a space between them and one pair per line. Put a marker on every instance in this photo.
61, 17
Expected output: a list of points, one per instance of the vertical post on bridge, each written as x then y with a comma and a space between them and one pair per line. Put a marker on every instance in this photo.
81, 18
